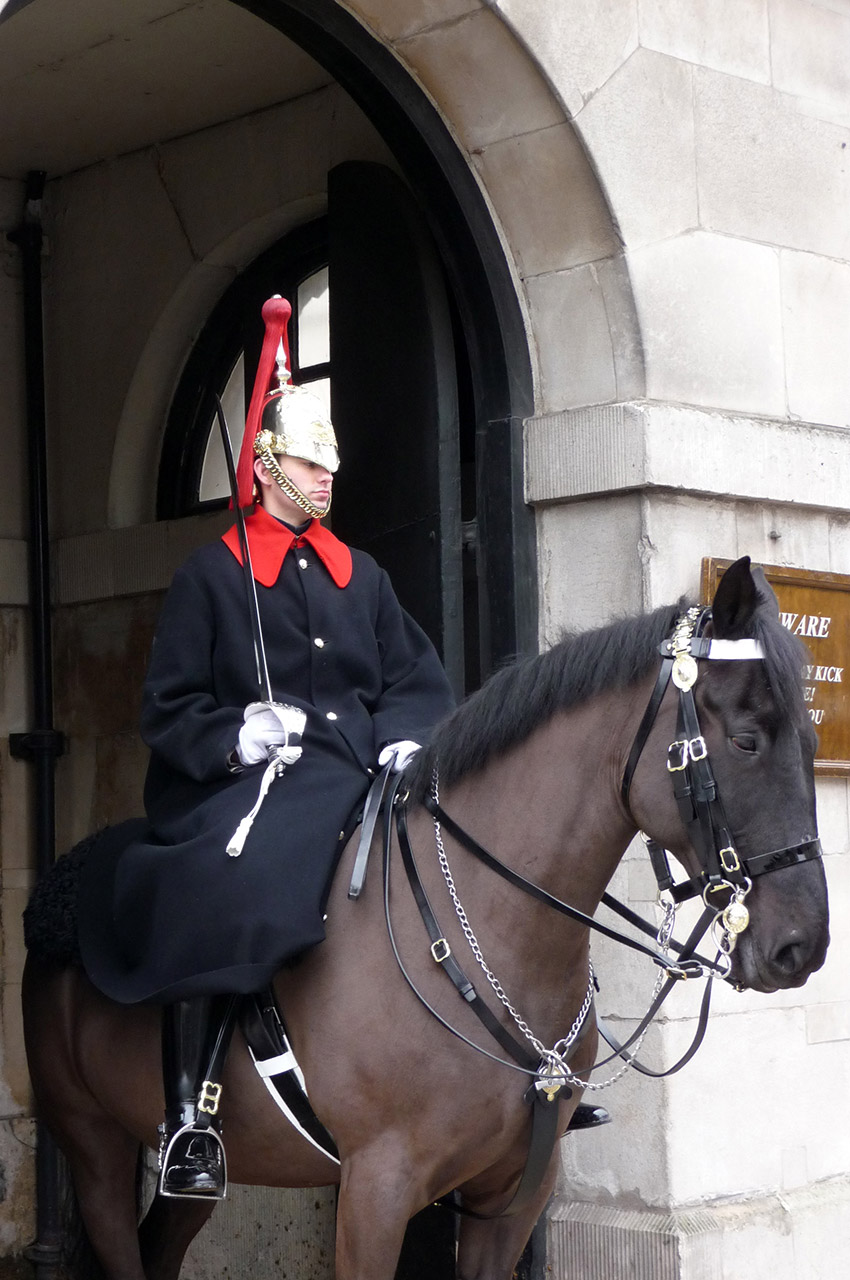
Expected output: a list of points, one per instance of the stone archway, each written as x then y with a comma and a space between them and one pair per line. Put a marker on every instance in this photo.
541, 187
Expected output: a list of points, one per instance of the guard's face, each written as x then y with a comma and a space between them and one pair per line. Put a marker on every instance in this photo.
312, 479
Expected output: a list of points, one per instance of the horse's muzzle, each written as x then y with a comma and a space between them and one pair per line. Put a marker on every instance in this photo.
782, 948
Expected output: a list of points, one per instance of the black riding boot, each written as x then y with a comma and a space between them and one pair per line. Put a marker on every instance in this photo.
195, 1035
588, 1116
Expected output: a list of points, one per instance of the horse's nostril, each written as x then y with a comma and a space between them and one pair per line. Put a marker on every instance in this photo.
790, 958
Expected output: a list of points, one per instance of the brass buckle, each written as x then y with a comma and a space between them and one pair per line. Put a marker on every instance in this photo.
697, 749
440, 950
209, 1098
730, 863
682, 747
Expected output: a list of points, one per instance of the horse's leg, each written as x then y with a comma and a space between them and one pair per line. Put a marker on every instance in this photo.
102, 1158
102, 1155
490, 1249
372, 1215
169, 1227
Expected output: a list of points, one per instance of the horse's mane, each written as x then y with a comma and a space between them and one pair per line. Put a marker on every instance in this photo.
523, 695
785, 655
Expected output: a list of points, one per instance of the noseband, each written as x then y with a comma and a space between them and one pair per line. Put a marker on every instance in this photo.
723, 871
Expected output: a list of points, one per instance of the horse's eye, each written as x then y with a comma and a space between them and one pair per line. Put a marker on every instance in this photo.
744, 742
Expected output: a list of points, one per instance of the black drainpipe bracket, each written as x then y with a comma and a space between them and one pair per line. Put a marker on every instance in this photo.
37, 743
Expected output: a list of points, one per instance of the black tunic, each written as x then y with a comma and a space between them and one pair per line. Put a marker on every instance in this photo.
171, 914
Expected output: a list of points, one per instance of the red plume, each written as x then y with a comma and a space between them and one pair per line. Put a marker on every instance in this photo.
276, 313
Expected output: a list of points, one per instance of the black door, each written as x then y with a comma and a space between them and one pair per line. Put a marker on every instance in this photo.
395, 400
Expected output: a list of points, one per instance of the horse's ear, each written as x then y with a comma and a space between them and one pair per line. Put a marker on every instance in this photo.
735, 601
766, 595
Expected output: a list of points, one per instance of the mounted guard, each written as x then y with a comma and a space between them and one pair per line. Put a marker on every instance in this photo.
257, 767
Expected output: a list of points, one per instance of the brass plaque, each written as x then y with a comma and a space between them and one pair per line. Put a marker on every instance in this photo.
816, 607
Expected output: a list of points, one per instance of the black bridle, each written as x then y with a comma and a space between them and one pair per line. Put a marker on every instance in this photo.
725, 878
722, 869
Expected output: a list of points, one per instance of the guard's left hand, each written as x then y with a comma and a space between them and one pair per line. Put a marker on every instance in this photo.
400, 753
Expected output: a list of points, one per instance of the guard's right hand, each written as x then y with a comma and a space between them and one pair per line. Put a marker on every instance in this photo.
261, 731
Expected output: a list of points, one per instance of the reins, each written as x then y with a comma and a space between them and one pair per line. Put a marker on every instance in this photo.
690, 968
690, 964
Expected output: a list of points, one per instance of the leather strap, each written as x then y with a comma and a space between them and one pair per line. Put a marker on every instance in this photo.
544, 1110
626, 913
807, 851
388, 829
204, 1118
645, 726
371, 809
265, 1033
443, 956
544, 1135
621, 1049
535, 891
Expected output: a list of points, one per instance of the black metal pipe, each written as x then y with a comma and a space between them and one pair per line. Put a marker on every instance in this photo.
42, 744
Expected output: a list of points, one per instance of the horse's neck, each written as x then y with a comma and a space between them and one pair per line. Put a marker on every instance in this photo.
551, 807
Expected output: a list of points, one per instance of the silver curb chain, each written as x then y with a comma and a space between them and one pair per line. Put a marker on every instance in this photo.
554, 1061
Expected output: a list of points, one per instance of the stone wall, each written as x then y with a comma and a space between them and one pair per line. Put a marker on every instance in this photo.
719, 133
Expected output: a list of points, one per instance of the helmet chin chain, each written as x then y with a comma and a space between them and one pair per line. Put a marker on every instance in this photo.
278, 475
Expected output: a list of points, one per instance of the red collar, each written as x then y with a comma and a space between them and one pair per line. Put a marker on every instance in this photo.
269, 541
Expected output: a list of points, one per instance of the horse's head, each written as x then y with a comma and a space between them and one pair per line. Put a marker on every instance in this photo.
760, 744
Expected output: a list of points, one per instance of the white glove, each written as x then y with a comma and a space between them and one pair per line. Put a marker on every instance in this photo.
269, 725
401, 754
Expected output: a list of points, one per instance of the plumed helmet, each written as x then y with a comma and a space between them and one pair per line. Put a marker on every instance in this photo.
282, 418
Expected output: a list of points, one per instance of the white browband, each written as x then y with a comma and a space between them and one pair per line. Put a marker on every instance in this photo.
735, 650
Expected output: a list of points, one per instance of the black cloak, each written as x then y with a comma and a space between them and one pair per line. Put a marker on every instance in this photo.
165, 913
